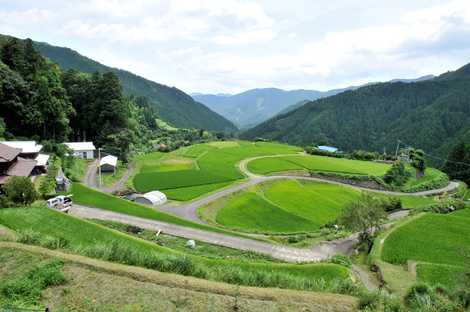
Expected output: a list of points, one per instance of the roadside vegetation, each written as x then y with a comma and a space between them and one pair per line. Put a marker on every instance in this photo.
93, 285
45, 227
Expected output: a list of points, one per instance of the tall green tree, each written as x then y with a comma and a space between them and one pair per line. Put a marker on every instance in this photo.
418, 162
457, 165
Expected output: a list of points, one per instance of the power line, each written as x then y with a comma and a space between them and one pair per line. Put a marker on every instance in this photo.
436, 157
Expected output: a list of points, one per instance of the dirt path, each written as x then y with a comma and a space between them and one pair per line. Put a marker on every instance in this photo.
319, 252
90, 175
188, 210
364, 277
120, 184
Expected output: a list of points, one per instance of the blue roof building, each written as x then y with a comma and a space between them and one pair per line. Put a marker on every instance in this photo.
326, 148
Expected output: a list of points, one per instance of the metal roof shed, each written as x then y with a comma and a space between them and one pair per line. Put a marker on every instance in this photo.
153, 198
108, 163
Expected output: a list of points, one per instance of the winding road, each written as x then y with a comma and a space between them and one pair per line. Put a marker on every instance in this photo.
188, 210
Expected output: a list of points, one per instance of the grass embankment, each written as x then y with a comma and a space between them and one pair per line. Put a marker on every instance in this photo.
179, 244
74, 168
85, 196
53, 229
196, 170
436, 241
317, 163
93, 285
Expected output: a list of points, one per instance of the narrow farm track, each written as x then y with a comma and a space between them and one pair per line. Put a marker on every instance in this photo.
289, 254
188, 210
90, 175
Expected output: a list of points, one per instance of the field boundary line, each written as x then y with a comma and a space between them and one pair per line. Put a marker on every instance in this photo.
186, 282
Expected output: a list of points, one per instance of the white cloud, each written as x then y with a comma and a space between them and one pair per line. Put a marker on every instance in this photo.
231, 45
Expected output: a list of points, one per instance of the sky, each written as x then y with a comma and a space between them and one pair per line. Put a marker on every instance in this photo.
228, 46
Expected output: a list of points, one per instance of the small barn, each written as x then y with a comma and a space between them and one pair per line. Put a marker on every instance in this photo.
108, 163
154, 198
85, 150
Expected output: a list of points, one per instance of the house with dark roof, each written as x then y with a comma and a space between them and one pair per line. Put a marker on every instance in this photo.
12, 164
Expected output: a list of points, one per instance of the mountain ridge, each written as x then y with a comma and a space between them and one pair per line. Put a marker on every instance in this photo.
432, 114
172, 105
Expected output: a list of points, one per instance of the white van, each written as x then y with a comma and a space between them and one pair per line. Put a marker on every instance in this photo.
60, 202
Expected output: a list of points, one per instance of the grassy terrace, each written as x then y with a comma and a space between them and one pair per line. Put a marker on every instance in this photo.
288, 206
284, 206
97, 241
317, 163
195, 170
436, 241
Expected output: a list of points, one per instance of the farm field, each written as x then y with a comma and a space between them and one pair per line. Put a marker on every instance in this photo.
288, 206
317, 163
435, 239
192, 171
93, 240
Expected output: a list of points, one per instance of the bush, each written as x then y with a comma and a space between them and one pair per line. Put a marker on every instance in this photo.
369, 301
27, 288
29, 236
20, 191
446, 205
396, 175
392, 204
54, 242
341, 260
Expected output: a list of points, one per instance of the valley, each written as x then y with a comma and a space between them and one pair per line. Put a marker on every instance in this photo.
250, 190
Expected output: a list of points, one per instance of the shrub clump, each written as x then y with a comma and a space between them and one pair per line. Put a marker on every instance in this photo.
27, 289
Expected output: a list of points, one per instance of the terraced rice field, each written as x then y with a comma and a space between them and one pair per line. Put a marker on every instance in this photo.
317, 163
196, 170
435, 239
81, 235
283, 206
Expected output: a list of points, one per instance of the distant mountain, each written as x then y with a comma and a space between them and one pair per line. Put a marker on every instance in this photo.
423, 78
173, 105
432, 114
252, 107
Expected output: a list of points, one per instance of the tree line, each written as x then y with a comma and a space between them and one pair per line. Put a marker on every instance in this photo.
40, 102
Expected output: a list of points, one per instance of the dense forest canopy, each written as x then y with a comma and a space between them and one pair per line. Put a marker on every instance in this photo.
432, 115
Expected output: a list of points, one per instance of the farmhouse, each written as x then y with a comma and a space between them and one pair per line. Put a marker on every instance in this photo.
31, 150
85, 150
153, 198
108, 163
11, 164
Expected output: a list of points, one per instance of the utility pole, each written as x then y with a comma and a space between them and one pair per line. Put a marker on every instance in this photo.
398, 146
99, 165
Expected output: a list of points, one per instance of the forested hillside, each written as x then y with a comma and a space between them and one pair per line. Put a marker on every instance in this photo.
39, 101
432, 115
171, 104
252, 107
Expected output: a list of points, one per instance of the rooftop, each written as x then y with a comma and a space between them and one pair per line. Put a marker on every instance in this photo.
26, 147
109, 160
80, 146
8, 153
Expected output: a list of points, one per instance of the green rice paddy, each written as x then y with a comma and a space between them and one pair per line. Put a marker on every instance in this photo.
317, 163
196, 170
283, 206
436, 241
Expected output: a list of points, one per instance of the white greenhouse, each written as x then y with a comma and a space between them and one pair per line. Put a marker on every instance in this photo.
153, 198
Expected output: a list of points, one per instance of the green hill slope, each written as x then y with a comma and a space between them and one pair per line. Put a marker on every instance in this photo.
172, 104
431, 115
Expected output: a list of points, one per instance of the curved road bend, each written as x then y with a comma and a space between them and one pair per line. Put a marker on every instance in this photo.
289, 254
188, 210
319, 252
